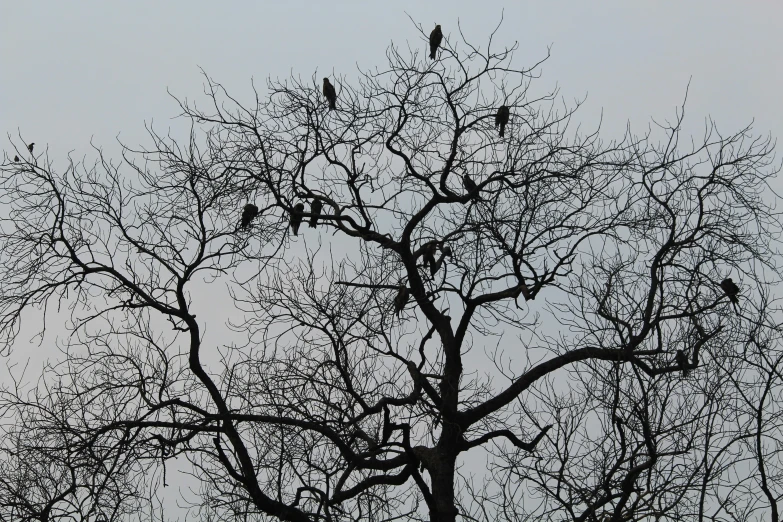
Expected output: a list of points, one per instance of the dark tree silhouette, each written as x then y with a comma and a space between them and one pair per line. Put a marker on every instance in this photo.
546, 351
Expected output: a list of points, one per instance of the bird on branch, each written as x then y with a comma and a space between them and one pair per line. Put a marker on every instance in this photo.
682, 363
445, 251
330, 93
315, 210
428, 254
16, 159
249, 213
403, 294
730, 289
471, 186
436, 37
30, 147
296, 218
501, 119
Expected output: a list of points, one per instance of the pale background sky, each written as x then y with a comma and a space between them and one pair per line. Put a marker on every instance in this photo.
75, 71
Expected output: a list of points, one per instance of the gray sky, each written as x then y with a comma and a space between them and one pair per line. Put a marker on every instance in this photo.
76, 71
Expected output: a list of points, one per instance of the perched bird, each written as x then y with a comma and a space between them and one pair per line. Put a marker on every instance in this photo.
30, 147
330, 93
315, 210
470, 185
730, 289
682, 362
444, 252
428, 254
401, 300
249, 213
436, 37
501, 119
296, 217
387, 425
16, 159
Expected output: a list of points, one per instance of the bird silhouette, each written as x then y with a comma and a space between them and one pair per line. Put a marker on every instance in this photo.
330, 93
403, 294
445, 251
16, 159
731, 290
436, 37
470, 186
249, 213
296, 218
428, 254
315, 210
30, 147
501, 119
682, 362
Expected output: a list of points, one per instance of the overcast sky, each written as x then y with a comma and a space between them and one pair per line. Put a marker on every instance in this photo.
72, 71
76, 71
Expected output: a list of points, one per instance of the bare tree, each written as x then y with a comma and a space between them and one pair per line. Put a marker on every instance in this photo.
534, 299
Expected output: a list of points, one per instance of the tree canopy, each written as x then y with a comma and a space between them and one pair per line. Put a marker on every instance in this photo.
475, 323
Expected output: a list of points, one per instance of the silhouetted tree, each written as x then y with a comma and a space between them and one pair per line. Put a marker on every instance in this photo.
548, 347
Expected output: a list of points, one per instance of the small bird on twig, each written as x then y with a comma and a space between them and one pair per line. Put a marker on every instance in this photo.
315, 210
249, 213
501, 119
403, 294
682, 362
730, 289
471, 186
436, 37
330, 93
296, 218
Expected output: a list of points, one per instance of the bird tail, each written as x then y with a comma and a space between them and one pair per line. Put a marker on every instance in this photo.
432, 54
502, 129
313, 221
332, 104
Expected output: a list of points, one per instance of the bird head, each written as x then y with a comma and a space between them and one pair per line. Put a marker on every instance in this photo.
299, 207
437, 27
326, 80
728, 280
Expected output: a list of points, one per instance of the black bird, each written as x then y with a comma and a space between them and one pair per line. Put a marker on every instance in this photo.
330, 93
682, 362
444, 252
730, 289
428, 254
436, 37
30, 147
315, 210
401, 300
501, 119
16, 159
249, 213
296, 217
470, 186
386, 431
